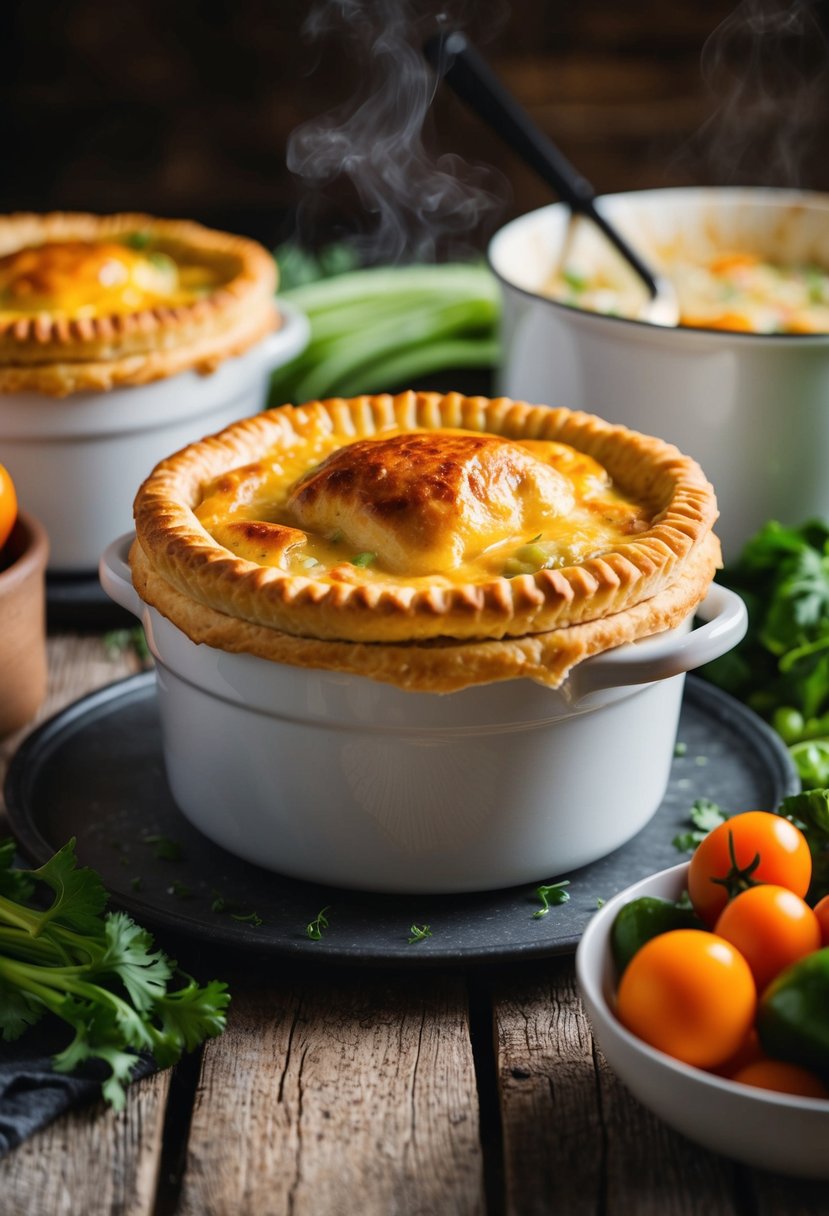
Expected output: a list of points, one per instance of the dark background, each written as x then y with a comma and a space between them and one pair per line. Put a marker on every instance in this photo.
185, 107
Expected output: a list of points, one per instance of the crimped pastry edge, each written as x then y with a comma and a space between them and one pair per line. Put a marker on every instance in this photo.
445, 667
188, 558
202, 355
42, 340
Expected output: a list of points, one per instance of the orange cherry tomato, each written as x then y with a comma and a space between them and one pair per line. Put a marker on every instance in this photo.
771, 927
784, 859
689, 993
782, 1077
747, 1053
821, 911
8, 506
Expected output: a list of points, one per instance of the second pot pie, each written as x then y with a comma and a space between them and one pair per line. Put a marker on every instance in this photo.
91, 302
430, 541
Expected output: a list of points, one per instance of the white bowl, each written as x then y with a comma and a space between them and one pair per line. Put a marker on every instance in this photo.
76, 461
751, 408
767, 1130
341, 779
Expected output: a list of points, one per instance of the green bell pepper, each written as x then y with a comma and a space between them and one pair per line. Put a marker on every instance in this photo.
644, 918
793, 1017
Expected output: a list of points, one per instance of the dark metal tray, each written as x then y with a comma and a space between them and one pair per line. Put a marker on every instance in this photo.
95, 771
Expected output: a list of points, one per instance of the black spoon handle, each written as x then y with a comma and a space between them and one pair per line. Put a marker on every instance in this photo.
472, 79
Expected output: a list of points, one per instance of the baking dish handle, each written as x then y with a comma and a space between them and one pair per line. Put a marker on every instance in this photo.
667, 654
115, 576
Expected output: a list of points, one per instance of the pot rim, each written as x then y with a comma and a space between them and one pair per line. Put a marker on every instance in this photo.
33, 557
768, 195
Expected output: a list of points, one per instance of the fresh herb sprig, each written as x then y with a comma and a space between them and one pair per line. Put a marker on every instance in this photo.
705, 815
98, 972
419, 933
315, 928
551, 895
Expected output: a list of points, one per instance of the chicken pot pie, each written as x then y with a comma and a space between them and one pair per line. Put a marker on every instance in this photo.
91, 302
431, 541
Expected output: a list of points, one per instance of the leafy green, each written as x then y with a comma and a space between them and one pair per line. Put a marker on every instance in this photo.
165, 848
551, 895
809, 811
16, 884
781, 668
98, 972
705, 815
419, 933
315, 928
382, 326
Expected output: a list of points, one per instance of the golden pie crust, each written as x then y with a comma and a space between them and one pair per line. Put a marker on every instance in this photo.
54, 340
440, 632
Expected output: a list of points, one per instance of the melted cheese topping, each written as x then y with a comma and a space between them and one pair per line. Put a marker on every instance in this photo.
734, 291
97, 278
406, 507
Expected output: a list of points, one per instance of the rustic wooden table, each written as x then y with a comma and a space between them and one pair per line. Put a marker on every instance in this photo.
337, 1092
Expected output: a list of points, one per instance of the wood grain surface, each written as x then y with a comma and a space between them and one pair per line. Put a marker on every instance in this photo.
337, 1092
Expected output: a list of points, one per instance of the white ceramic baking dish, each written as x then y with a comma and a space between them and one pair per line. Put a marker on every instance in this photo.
344, 780
751, 408
77, 460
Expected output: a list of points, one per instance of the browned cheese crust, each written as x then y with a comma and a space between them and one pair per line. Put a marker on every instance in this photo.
595, 592
57, 354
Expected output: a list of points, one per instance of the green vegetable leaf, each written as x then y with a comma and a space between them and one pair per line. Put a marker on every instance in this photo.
318, 925
363, 559
419, 933
98, 1036
129, 954
551, 895
799, 602
187, 1017
100, 974
705, 815
79, 893
15, 884
165, 848
811, 809
18, 1011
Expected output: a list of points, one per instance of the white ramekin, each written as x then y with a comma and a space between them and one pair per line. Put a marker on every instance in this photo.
341, 779
751, 408
77, 461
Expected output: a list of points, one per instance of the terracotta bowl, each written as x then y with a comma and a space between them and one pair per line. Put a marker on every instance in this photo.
23, 617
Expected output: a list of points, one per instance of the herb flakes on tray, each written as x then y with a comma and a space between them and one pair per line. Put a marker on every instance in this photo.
781, 668
98, 972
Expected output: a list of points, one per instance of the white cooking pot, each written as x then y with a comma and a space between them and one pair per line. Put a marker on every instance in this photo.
76, 461
341, 779
753, 409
